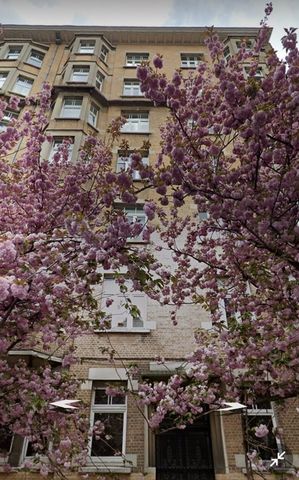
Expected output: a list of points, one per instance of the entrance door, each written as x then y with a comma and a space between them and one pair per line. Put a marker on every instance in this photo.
185, 454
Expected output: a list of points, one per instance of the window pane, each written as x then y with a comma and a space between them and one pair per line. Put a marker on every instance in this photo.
23, 86
113, 427
104, 53
13, 52
3, 76
87, 46
99, 81
134, 59
5, 440
265, 446
80, 74
71, 107
36, 58
100, 397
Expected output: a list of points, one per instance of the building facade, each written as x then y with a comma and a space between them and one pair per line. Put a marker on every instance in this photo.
93, 72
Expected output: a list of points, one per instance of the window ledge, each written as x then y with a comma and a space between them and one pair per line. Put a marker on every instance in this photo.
124, 330
108, 468
31, 65
135, 133
132, 96
67, 118
131, 66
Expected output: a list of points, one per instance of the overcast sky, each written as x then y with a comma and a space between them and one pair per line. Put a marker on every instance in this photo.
221, 13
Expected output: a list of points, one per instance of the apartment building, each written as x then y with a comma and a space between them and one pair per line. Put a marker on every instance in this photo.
93, 73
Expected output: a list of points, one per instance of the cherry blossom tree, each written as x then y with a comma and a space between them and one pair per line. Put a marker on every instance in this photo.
230, 149
59, 227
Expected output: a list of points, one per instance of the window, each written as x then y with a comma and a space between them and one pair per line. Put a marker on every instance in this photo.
136, 122
135, 59
226, 53
189, 60
93, 115
80, 74
118, 313
247, 43
267, 446
13, 52
258, 73
87, 46
132, 88
36, 58
71, 107
104, 53
23, 85
3, 77
57, 147
6, 439
6, 119
136, 215
124, 162
112, 411
99, 80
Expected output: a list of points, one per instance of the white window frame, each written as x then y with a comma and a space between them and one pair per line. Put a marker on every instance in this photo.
132, 88
72, 110
99, 80
3, 78
55, 146
259, 74
120, 318
137, 122
108, 408
32, 56
13, 56
104, 53
93, 115
87, 47
123, 163
191, 60
249, 44
20, 83
80, 73
135, 59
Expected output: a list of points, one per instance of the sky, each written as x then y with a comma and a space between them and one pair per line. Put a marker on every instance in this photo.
220, 13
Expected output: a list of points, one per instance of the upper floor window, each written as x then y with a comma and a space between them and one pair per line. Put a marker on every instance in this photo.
87, 46
71, 107
6, 119
124, 163
23, 85
136, 122
226, 53
111, 411
80, 74
257, 72
129, 308
135, 59
13, 52
247, 44
190, 60
104, 53
3, 77
93, 115
99, 80
57, 150
36, 58
132, 88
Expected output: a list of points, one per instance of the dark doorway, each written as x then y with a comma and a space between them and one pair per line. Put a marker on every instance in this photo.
185, 454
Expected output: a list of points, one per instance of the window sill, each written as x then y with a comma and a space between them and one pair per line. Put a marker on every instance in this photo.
67, 118
135, 133
31, 65
124, 330
132, 96
108, 468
